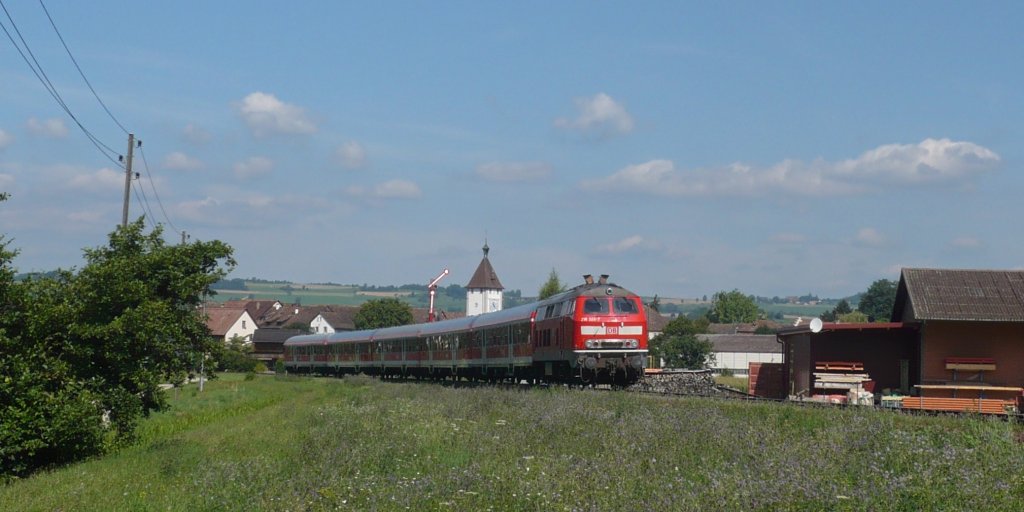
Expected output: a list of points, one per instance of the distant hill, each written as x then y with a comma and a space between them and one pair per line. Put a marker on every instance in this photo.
448, 298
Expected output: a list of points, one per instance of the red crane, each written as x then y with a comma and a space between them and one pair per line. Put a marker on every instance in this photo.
433, 290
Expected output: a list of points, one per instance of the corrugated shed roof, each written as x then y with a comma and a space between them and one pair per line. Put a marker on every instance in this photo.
964, 295
274, 335
759, 343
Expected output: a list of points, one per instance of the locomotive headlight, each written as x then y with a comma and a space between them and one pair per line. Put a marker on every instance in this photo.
631, 344
590, 344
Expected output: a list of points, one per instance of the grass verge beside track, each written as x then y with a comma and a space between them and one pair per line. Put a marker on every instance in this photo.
359, 444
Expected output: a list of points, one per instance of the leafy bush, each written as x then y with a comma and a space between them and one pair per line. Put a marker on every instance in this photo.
235, 357
83, 353
279, 367
679, 346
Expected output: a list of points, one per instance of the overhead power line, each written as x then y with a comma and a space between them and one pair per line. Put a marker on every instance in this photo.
79, 68
37, 70
136, 189
159, 203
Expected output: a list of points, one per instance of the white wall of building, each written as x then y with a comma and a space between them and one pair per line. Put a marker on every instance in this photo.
738, 362
244, 328
319, 325
479, 302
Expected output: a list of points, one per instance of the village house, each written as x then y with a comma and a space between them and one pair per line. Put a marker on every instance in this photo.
733, 353
226, 323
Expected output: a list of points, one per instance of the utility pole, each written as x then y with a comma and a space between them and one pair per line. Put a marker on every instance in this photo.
183, 238
127, 180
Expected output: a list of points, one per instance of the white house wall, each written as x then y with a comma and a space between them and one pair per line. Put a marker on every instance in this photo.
319, 325
244, 328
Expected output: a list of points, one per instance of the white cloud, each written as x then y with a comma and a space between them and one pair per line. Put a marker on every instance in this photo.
101, 180
930, 161
869, 237
196, 134
179, 161
53, 128
6, 139
393, 189
965, 242
351, 155
397, 189
631, 243
267, 115
6, 180
598, 114
513, 171
253, 167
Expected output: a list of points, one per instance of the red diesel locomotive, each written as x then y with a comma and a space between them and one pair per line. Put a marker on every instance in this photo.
593, 333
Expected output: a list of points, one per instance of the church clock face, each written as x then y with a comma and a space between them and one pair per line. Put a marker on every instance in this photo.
494, 304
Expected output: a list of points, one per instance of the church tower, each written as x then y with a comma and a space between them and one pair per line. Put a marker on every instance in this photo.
484, 291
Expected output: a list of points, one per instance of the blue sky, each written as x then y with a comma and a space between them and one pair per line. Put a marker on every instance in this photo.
682, 148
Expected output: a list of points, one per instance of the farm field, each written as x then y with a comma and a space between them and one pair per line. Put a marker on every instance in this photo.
321, 294
359, 444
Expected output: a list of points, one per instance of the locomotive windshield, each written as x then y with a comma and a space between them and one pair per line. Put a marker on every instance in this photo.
624, 306
613, 305
595, 306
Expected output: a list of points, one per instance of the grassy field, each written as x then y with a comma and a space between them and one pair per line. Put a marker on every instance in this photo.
346, 295
740, 383
359, 444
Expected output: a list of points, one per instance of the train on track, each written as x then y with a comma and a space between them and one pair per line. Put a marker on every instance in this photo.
595, 333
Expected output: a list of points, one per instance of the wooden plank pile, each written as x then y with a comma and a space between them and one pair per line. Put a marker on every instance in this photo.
978, 405
844, 375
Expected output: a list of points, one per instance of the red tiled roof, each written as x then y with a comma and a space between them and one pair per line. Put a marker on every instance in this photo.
220, 319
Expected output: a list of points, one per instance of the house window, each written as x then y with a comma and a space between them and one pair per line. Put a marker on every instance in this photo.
243, 324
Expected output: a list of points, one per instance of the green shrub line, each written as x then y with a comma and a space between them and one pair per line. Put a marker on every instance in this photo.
295, 443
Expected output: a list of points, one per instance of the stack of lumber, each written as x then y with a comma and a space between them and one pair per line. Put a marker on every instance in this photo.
839, 366
979, 405
823, 380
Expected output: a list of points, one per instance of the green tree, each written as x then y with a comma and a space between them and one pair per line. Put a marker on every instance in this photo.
842, 308
95, 344
379, 313
732, 307
234, 356
855, 317
553, 286
878, 301
679, 347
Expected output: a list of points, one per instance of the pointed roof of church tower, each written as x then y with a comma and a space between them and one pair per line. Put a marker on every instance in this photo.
484, 277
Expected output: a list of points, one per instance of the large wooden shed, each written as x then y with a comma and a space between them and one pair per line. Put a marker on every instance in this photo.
971, 330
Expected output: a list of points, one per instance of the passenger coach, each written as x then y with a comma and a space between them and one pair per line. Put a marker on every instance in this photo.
593, 333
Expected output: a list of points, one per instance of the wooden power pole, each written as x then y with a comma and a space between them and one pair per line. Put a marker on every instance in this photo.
127, 180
